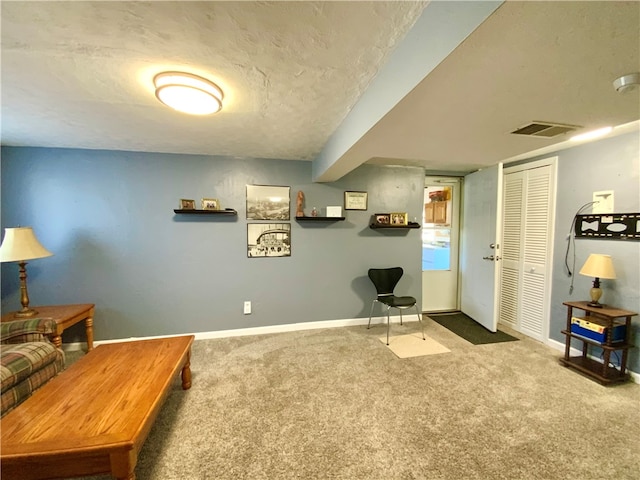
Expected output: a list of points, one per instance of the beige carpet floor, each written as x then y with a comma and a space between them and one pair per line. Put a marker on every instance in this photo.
339, 404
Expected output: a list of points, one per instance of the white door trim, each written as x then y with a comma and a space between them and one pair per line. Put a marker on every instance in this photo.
553, 163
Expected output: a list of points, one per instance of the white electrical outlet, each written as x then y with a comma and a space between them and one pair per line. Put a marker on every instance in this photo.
247, 308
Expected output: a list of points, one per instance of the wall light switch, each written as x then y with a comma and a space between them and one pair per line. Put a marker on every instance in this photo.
605, 202
247, 308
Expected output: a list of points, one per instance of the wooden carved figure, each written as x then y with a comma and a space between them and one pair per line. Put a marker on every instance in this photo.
299, 204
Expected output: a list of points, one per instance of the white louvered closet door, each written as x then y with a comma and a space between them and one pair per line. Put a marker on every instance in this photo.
527, 232
512, 214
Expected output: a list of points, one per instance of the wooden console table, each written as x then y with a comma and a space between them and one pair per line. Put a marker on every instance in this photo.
64, 316
608, 317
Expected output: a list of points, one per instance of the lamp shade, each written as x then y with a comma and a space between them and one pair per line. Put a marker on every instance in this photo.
598, 266
20, 244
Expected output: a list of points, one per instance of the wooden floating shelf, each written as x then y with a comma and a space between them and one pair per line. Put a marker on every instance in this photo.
226, 211
384, 225
319, 219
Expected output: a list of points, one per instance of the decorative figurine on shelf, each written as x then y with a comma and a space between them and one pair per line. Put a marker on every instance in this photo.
314, 212
299, 204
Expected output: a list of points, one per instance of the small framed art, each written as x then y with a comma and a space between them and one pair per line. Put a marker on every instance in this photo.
399, 218
355, 200
187, 204
383, 218
210, 204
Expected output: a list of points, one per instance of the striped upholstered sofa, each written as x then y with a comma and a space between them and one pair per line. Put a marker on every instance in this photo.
28, 359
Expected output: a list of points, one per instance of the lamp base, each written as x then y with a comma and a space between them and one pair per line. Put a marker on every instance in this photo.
595, 293
25, 313
595, 304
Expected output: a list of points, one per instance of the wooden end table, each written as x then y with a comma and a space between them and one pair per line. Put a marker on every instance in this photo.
608, 317
64, 316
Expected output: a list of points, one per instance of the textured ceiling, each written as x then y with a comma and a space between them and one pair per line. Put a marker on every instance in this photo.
79, 74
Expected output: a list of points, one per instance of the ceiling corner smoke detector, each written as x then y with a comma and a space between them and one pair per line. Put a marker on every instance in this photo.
626, 82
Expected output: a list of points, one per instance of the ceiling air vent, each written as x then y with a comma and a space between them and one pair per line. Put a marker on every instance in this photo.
545, 129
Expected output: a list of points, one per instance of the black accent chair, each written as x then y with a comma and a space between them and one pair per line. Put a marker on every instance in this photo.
385, 281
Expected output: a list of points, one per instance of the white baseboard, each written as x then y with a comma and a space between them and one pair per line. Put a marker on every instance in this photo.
293, 327
241, 332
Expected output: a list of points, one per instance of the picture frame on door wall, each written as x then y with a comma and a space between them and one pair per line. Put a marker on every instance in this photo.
355, 200
383, 218
399, 218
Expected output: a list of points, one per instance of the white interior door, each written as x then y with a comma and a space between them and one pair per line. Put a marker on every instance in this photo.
512, 238
481, 224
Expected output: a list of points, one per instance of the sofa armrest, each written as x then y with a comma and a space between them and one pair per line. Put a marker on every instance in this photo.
27, 330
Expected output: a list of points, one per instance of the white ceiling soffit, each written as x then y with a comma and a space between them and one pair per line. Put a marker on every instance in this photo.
79, 74
439, 30
529, 61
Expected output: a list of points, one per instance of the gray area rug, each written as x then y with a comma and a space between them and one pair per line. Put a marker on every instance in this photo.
338, 404
466, 327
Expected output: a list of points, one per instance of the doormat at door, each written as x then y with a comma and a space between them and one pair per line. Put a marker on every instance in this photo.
467, 328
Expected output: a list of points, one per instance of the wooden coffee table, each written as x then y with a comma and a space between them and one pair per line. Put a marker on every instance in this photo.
94, 417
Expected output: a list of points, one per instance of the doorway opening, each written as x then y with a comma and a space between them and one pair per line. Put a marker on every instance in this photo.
440, 244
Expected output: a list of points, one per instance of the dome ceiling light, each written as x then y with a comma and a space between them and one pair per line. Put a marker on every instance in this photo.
188, 93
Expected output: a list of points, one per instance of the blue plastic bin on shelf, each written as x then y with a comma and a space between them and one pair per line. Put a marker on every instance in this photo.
597, 332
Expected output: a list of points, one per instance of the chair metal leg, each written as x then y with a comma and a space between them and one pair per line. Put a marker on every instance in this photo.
400, 310
420, 320
388, 323
371, 312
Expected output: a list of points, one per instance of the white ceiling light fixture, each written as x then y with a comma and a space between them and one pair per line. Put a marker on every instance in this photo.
601, 132
627, 82
188, 93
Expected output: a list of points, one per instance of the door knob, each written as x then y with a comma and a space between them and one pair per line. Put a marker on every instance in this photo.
490, 257
492, 245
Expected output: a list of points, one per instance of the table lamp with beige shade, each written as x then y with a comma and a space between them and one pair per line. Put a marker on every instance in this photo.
20, 244
598, 266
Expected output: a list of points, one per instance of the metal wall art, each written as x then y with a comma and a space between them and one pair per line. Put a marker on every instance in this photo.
608, 226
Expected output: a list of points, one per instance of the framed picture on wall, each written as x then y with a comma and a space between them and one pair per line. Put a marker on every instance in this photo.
210, 204
268, 240
399, 218
187, 204
383, 218
268, 202
355, 200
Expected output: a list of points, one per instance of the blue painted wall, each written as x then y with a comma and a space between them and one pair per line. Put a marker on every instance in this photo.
108, 217
610, 164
